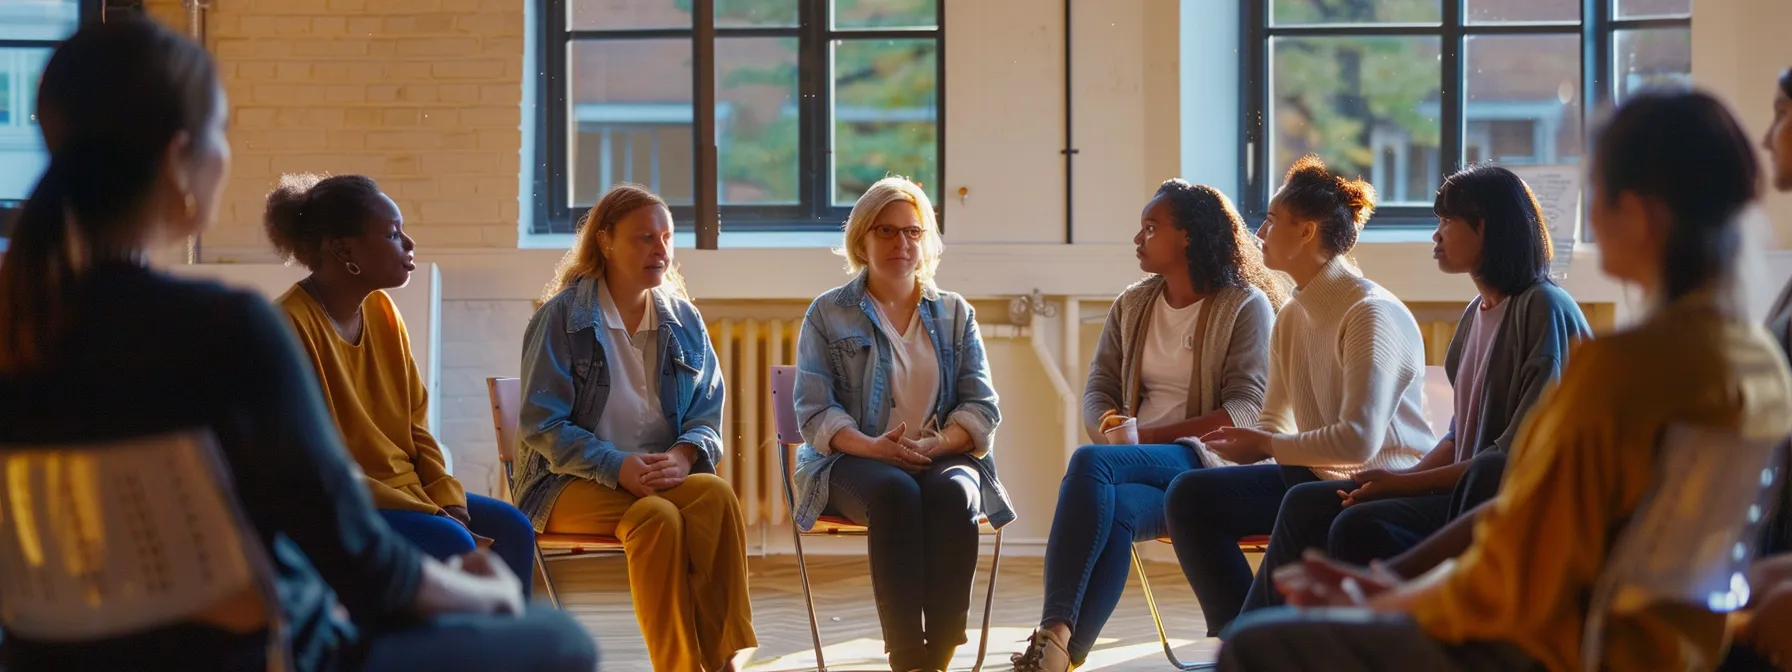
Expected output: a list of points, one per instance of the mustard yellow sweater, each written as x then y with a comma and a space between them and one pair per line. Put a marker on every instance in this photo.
1582, 464
378, 401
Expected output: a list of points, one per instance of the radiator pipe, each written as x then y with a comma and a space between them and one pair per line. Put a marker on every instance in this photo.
1067, 398
1069, 150
195, 30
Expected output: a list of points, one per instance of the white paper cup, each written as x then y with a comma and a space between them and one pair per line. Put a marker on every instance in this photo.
1123, 434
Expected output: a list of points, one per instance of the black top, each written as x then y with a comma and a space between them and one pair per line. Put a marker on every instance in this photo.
145, 353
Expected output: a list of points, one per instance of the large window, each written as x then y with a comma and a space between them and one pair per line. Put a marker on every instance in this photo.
29, 31
1405, 92
813, 101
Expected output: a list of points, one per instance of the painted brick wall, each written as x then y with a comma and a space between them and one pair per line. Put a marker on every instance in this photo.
479, 339
422, 95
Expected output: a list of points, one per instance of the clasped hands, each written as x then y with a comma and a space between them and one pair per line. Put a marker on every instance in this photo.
644, 474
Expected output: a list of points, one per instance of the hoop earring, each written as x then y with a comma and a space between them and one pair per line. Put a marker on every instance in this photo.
353, 268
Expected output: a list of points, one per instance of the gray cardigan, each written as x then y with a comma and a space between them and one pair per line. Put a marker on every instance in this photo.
1231, 372
1528, 354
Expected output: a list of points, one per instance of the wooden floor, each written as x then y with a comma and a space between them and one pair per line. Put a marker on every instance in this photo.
596, 592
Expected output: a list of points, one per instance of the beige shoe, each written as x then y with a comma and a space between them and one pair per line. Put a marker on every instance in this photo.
1045, 653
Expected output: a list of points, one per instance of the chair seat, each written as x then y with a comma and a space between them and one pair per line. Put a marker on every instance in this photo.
1256, 543
826, 524
578, 543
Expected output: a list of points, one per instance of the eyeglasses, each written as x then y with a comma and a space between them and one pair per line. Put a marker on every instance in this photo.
888, 232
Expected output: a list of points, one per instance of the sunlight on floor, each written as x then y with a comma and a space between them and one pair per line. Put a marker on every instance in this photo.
868, 654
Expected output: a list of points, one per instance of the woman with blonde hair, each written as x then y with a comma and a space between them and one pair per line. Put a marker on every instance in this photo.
622, 397
898, 411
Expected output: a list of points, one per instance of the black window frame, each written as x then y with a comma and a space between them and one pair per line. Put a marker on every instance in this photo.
90, 11
814, 32
1596, 28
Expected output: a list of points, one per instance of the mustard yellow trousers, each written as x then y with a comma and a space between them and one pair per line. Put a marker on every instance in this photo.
687, 565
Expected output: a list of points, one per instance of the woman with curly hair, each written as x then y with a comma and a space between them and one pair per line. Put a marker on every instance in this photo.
1184, 352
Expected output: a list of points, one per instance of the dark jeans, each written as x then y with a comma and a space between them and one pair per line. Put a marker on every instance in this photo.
1208, 511
1111, 496
923, 548
1352, 640
1303, 521
513, 538
1383, 529
539, 639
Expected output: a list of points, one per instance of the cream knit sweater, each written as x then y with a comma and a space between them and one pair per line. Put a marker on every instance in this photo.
1346, 378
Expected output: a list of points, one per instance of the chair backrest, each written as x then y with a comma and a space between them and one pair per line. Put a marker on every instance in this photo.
1691, 539
1440, 400
507, 404
104, 539
784, 405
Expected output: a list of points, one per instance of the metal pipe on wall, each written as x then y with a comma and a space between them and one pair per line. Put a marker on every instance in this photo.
196, 30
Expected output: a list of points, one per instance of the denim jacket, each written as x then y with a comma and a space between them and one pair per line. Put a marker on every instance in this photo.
566, 381
844, 365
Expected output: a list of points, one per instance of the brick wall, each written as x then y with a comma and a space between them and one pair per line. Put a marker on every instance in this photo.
479, 339
422, 95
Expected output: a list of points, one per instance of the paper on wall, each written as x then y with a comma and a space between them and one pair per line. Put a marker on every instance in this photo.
1558, 192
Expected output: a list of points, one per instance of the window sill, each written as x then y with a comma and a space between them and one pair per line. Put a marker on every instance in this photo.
687, 239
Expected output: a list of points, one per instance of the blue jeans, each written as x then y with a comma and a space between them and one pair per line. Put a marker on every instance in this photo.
513, 538
1111, 496
1208, 511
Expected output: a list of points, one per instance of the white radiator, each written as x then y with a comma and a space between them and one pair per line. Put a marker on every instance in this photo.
748, 348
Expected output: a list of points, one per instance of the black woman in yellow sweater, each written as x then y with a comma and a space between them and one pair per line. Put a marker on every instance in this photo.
351, 236
1671, 171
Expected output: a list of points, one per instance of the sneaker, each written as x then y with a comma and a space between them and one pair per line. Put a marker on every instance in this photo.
1045, 653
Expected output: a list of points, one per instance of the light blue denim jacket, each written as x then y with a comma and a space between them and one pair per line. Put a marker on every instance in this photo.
844, 365
566, 381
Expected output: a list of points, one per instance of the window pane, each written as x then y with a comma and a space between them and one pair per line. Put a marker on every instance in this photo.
1507, 11
1304, 12
1650, 57
1637, 9
850, 14
886, 114
1523, 99
630, 119
48, 20
628, 14
753, 13
22, 155
1368, 106
756, 120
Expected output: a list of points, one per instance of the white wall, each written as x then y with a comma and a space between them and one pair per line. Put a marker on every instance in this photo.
1739, 48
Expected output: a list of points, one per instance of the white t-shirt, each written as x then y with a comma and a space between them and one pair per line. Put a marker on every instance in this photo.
915, 374
632, 418
1168, 362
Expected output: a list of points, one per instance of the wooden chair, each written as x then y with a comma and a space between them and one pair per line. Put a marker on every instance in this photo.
790, 436
107, 539
507, 401
1690, 541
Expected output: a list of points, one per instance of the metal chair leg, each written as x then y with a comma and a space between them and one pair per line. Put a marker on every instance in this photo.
802, 570
1138, 565
989, 603
547, 578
